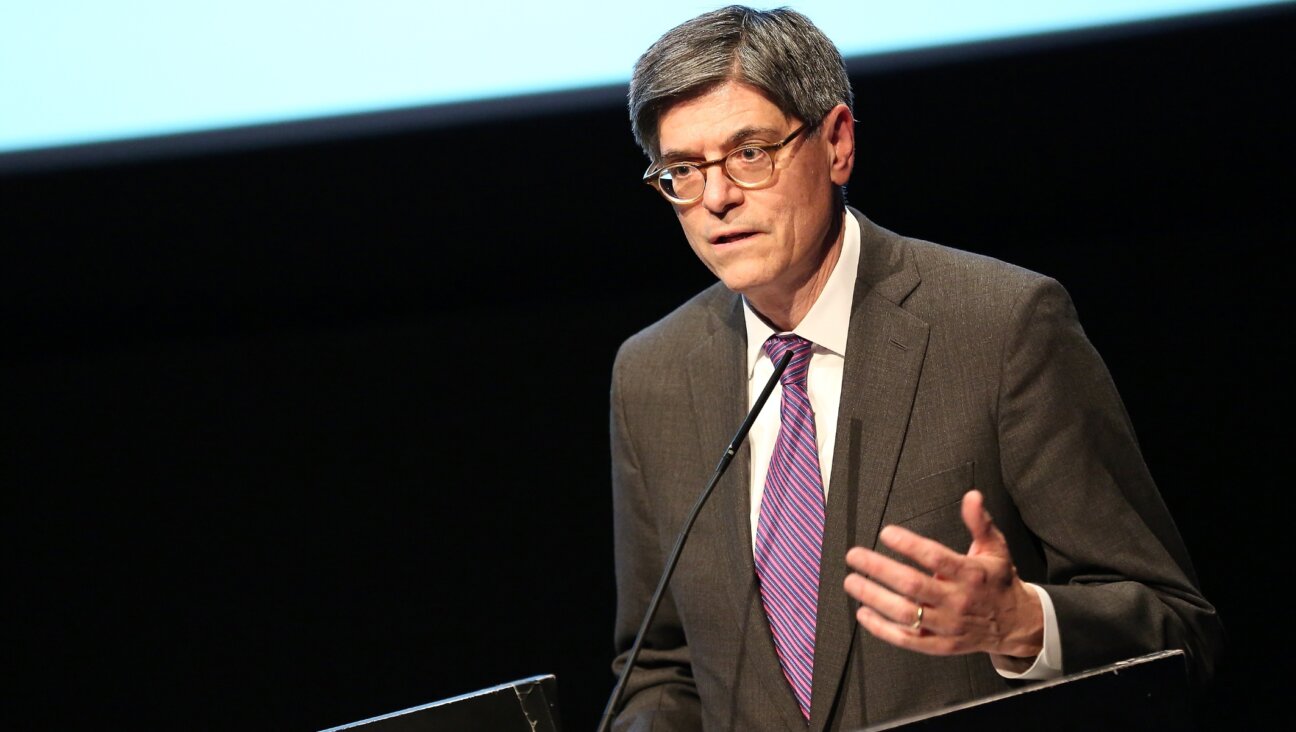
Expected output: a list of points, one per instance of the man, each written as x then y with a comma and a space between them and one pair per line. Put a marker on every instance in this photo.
948, 497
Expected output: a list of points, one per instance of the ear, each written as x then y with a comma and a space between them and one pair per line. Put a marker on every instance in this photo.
839, 133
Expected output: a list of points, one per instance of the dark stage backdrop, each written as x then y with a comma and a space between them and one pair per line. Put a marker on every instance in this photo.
299, 435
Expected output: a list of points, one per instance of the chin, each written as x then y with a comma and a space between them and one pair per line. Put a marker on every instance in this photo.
742, 285
742, 274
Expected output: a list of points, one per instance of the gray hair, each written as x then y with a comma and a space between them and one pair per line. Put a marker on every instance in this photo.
777, 51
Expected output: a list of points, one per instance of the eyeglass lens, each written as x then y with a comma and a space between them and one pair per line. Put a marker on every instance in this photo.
746, 165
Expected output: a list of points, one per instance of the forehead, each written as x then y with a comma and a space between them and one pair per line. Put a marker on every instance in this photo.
713, 121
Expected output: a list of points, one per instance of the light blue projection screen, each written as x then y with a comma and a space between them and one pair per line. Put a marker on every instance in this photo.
95, 70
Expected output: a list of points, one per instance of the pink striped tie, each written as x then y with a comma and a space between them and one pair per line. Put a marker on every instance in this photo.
789, 533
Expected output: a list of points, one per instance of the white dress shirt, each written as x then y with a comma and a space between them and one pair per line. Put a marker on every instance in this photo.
827, 326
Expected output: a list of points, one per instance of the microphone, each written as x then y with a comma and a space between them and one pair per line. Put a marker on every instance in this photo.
723, 465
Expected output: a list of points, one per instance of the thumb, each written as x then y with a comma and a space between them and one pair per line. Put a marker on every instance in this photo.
984, 534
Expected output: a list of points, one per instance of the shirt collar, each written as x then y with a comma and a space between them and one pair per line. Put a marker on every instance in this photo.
828, 322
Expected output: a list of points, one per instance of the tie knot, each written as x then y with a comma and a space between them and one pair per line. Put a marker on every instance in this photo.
799, 366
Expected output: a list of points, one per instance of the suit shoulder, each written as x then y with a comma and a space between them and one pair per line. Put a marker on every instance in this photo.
923, 274
672, 337
961, 283
949, 265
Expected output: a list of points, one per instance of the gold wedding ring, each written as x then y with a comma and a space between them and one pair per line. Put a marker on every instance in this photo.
917, 623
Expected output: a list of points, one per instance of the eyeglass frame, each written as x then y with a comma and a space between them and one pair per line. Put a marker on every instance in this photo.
652, 176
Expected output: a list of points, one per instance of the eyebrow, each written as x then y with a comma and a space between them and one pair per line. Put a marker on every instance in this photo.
733, 141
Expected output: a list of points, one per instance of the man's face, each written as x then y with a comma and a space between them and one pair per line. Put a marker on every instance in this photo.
771, 240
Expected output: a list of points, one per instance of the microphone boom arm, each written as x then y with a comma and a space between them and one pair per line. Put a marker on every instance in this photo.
721, 467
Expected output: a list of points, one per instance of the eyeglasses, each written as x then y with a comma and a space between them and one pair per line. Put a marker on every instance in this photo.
747, 166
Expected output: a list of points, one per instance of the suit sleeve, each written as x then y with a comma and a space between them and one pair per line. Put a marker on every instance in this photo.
660, 694
1118, 573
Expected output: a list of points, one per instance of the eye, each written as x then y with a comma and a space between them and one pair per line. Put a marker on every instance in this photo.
678, 172
748, 154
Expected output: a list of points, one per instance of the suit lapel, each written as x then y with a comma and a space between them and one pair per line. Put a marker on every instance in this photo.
716, 376
884, 356
717, 373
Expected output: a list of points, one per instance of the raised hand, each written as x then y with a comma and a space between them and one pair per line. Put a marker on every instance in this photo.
963, 603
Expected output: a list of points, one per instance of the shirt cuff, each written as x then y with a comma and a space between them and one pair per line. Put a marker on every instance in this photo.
1048, 664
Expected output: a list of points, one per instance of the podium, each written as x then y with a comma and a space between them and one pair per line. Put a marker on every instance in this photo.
525, 705
1136, 695
1144, 693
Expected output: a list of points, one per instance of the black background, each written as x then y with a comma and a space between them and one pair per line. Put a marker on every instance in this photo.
303, 433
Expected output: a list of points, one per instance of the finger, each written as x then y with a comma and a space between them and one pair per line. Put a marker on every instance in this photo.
902, 637
975, 516
901, 634
896, 576
899, 610
860, 559
980, 525
883, 628
933, 555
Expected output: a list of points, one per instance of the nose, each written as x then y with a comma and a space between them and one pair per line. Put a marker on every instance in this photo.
720, 193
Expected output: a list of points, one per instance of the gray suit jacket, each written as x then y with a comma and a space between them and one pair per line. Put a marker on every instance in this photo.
961, 372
